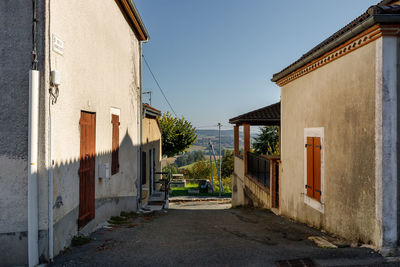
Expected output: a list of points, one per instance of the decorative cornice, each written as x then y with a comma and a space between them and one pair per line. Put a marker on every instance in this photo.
358, 41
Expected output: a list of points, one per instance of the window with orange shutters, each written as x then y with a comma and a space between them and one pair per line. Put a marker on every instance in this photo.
313, 166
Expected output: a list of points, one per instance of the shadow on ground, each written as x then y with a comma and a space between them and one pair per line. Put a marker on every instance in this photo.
209, 234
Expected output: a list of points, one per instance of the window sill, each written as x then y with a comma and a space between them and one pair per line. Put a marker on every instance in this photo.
315, 204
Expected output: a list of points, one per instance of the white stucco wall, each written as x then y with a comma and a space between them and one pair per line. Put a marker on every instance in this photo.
100, 70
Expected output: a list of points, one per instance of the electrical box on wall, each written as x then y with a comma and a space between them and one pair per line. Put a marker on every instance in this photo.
55, 78
104, 171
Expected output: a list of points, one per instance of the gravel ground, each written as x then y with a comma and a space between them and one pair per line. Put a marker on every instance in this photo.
209, 233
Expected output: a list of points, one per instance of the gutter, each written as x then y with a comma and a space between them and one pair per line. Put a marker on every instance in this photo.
139, 19
374, 19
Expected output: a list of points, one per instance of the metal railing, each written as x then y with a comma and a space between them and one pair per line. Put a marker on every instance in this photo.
258, 168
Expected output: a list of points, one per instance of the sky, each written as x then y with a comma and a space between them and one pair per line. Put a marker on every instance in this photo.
214, 58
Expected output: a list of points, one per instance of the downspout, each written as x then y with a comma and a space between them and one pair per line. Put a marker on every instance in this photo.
50, 187
139, 168
53, 94
33, 121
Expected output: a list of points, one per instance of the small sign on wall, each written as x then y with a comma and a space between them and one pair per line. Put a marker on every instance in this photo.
58, 45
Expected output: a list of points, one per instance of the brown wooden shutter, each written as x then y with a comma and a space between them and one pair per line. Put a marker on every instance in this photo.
310, 167
317, 168
87, 168
143, 167
115, 144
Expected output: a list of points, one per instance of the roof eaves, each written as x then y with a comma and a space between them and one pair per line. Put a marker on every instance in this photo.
132, 15
368, 19
139, 18
150, 111
269, 113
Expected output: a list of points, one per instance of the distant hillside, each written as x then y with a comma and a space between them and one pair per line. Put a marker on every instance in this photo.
204, 136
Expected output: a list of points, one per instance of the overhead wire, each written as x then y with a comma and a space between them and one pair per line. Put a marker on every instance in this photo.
158, 85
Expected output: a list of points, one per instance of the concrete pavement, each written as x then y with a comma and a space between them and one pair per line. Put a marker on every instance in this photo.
209, 233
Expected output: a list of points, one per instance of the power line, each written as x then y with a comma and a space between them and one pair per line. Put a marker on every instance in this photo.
159, 87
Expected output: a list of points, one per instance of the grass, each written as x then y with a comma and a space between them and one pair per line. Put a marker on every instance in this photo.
187, 166
183, 191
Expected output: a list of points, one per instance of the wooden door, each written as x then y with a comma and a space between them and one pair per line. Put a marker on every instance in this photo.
87, 168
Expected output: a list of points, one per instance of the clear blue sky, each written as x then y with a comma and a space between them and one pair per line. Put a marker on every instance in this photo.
215, 58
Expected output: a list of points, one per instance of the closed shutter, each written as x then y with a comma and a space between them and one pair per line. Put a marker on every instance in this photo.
115, 144
317, 168
150, 173
143, 167
310, 168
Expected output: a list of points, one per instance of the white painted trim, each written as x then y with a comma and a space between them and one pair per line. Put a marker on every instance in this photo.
315, 132
115, 111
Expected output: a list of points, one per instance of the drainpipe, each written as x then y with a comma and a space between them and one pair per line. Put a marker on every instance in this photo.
139, 167
53, 94
33, 225
33, 121
50, 221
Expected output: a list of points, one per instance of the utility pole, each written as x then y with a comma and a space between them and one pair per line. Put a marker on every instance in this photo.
211, 167
219, 173
148, 93
221, 188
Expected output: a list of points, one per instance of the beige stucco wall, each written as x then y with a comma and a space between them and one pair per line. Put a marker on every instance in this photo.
245, 192
151, 138
340, 97
238, 198
100, 70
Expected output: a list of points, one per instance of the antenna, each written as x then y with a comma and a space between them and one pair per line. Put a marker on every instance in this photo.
148, 93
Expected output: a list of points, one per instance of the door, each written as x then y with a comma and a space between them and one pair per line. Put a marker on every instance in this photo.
87, 168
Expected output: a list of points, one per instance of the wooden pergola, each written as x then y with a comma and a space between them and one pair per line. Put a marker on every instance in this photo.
266, 116
254, 165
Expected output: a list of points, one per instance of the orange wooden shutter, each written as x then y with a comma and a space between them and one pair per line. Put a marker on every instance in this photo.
317, 168
310, 169
115, 144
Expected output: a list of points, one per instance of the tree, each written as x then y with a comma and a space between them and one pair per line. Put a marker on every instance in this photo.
267, 142
170, 168
199, 170
227, 163
189, 158
177, 134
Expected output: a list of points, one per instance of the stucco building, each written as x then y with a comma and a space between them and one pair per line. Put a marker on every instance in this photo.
151, 153
339, 131
70, 129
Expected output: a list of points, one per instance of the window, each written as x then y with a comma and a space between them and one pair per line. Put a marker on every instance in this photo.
115, 144
143, 167
313, 168
313, 185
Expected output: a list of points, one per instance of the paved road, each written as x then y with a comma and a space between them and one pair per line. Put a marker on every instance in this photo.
209, 234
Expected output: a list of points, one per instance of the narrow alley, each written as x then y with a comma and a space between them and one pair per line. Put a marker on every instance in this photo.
209, 233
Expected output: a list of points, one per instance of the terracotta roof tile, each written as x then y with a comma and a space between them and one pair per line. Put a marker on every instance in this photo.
269, 115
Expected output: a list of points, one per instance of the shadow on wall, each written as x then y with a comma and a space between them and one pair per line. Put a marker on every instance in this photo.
103, 196
155, 164
88, 191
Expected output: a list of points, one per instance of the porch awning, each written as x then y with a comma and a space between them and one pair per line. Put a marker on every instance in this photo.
269, 115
